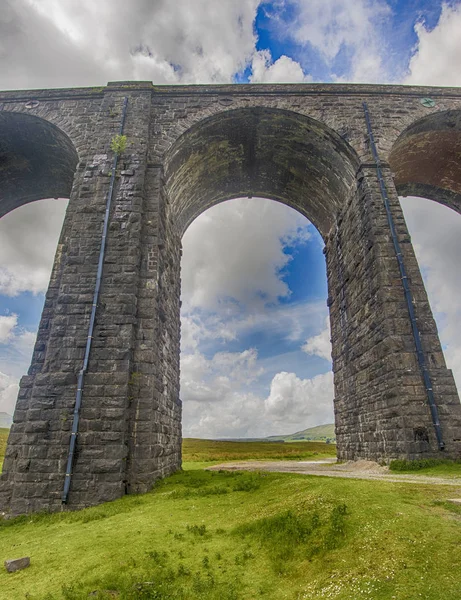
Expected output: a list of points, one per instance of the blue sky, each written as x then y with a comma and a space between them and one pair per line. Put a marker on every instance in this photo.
255, 351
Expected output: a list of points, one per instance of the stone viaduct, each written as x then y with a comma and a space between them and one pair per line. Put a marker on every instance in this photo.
104, 378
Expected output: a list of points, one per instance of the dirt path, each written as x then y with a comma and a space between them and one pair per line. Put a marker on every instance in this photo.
328, 468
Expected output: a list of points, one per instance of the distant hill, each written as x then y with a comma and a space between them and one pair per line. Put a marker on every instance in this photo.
5, 419
318, 433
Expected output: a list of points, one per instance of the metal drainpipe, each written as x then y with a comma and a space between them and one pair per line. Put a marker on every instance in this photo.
81, 375
406, 287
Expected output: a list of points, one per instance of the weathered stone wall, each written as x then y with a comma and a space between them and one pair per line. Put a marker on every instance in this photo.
381, 407
188, 148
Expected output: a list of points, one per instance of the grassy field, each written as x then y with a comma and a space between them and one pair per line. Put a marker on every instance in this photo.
209, 535
209, 451
437, 467
240, 536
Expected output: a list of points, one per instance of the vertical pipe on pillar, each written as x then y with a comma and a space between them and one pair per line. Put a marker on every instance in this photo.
81, 375
406, 287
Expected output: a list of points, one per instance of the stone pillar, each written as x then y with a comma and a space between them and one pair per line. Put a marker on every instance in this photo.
155, 407
34, 468
381, 406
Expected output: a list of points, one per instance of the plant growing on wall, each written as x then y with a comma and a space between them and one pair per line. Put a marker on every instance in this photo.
118, 144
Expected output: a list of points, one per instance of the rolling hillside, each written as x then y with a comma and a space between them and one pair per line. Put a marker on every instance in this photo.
319, 433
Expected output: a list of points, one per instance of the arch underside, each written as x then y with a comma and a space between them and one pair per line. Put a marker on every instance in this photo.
426, 159
260, 152
37, 160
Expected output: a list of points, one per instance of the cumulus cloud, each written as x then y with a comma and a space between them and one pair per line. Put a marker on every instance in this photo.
235, 253
319, 345
232, 290
296, 400
7, 325
437, 54
48, 43
283, 70
436, 240
9, 388
334, 26
16, 345
35, 53
28, 240
213, 380
219, 401
283, 322
234, 258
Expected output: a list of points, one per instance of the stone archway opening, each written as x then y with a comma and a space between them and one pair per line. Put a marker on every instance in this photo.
255, 349
426, 166
261, 152
434, 229
29, 237
37, 168
37, 161
425, 159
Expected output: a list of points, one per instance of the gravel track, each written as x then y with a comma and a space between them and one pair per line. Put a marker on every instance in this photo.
328, 468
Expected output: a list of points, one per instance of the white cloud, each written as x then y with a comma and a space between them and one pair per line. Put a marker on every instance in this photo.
28, 240
435, 234
219, 400
331, 26
237, 262
283, 70
436, 60
319, 345
296, 400
16, 345
50, 43
219, 378
290, 322
234, 253
9, 387
34, 53
7, 325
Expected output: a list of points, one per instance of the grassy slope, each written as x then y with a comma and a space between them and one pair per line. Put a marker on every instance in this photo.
320, 432
243, 536
240, 536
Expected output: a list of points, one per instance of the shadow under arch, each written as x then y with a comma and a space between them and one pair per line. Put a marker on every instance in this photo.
426, 159
37, 161
271, 153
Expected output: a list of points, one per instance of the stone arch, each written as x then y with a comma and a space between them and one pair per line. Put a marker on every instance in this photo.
37, 160
273, 153
426, 159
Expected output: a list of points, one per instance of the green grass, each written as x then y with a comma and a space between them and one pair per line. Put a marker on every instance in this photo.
239, 536
428, 466
209, 451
